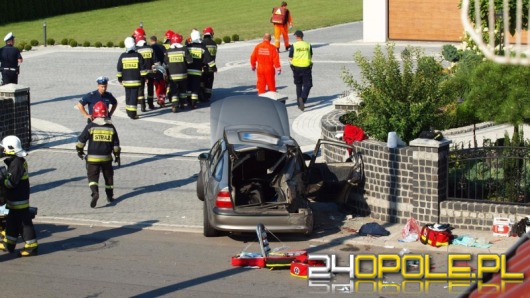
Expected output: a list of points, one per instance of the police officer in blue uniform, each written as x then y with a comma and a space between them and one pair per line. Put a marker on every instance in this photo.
10, 59
93, 97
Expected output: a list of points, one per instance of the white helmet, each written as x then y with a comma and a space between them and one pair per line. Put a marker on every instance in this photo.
129, 43
13, 146
195, 36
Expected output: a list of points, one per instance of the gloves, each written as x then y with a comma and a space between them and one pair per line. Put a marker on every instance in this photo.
279, 72
117, 160
253, 68
81, 154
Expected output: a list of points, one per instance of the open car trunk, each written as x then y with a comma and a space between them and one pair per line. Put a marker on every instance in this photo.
267, 180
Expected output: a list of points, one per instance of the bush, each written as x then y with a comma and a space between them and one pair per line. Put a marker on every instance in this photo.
110, 44
64, 41
86, 44
402, 96
20, 47
34, 42
50, 41
27, 47
73, 43
226, 39
98, 44
218, 40
121, 44
235, 37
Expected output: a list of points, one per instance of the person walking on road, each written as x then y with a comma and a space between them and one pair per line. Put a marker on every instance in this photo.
131, 72
282, 20
15, 180
300, 57
98, 95
103, 141
266, 60
10, 59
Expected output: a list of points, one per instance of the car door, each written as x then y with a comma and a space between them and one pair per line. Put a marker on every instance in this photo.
332, 181
213, 167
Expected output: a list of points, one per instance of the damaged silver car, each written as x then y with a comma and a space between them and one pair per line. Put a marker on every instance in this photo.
255, 171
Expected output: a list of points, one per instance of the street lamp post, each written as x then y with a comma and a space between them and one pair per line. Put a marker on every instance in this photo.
44, 30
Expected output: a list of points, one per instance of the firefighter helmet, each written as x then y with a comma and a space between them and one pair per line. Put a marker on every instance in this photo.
168, 35
138, 38
100, 110
129, 43
208, 31
138, 32
176, 38
13, 146
195, 36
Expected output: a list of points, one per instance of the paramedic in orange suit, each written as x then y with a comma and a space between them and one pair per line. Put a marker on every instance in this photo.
268, 64
281, 18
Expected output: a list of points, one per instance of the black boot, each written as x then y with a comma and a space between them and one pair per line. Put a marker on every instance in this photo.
110, 195
94, 195
142, 105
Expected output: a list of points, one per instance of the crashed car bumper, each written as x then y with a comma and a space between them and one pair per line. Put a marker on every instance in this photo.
299, 223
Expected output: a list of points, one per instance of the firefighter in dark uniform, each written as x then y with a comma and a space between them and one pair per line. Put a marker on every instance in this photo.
10, 59
148, 54
15, 180
201, 59
208, 74
103, 141
177, 60
131, 72
93, 97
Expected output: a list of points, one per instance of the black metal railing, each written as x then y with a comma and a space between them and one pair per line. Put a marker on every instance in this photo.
495, 174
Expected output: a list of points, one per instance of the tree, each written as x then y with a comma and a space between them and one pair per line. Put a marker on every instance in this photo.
500, 93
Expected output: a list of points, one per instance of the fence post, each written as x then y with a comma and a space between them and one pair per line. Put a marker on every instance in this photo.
15, 113
430, 163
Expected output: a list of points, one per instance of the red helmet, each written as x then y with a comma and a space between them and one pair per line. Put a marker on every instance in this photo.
100, 110
176, 38
137, 38
168, 35
138, 32
208, 31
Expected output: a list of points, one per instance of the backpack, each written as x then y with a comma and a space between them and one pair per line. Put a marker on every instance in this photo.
436, 235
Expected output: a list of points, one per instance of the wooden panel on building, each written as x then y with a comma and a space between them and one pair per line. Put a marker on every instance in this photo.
429, 20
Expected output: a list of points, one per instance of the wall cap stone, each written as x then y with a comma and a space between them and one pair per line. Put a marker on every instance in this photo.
430, 143
12, 88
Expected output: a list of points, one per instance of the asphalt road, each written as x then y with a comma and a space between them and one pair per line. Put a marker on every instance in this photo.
84, 261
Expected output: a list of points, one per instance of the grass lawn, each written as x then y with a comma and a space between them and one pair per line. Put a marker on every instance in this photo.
249, 19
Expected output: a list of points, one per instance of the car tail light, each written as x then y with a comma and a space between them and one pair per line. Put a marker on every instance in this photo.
223, 199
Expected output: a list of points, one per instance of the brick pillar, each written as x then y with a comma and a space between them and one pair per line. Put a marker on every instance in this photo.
15, 115
430, 177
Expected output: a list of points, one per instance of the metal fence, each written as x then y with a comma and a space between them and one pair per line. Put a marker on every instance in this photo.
496, 174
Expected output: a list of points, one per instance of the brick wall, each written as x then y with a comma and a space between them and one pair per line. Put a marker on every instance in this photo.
411, 181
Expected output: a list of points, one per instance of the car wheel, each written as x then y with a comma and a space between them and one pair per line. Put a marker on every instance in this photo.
200, 188
208, 230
